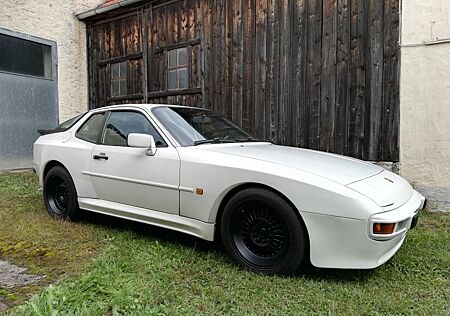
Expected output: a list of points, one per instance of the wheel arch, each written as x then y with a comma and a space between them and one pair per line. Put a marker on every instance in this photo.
49, 165
216, 217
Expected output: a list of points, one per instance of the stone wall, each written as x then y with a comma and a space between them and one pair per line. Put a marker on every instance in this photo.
425, 99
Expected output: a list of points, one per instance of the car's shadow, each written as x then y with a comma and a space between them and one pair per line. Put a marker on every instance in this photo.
153, 232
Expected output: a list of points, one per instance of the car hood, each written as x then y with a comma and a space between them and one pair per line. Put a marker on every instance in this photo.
386, 189
341, 169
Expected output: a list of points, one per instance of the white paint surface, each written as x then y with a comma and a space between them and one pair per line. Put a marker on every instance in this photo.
56, 21
338, 198
425, 99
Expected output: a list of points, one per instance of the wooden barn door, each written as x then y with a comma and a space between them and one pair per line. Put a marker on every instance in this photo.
319, 74
173, 53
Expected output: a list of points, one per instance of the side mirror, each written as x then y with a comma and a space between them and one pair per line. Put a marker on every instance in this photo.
142, 141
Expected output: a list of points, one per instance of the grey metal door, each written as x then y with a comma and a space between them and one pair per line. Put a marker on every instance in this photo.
28, 95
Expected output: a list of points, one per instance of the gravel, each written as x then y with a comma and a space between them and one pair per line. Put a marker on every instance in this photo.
12, 276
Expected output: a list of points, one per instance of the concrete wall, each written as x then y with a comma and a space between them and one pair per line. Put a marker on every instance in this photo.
55, 20
425, 99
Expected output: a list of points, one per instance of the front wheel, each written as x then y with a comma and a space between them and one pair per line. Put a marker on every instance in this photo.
60, 195
263, 233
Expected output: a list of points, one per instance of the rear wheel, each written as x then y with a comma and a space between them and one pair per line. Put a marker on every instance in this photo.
60, 195
263, 233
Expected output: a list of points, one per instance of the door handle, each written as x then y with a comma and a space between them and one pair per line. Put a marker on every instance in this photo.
100, 156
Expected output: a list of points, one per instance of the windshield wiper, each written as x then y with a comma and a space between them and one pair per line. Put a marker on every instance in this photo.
212, 141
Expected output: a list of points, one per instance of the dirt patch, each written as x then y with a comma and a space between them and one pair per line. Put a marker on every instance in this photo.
14, 276
3, 307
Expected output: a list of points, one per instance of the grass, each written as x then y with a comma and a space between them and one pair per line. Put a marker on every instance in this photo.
144, 270
30, 237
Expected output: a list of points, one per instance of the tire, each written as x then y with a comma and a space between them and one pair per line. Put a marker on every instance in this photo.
263, 233
60, 195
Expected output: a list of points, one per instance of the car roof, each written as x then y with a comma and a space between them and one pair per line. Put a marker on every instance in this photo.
138, 105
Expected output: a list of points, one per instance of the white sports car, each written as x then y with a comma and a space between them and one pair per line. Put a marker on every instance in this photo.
192, 170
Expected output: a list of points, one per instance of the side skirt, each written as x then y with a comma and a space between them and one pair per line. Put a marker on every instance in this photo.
175, 222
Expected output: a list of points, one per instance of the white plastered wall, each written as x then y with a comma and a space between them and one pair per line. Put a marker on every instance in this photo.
425, 99
56, 21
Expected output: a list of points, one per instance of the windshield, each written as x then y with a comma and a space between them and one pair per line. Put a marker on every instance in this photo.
190, 126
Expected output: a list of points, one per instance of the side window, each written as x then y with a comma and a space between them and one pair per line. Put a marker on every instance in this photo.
120, 124
90, 129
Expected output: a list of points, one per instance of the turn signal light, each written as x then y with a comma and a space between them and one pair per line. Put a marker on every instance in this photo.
383, 228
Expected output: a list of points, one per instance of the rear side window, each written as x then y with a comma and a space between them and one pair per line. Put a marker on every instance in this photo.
71, 122
90, 130
120, 124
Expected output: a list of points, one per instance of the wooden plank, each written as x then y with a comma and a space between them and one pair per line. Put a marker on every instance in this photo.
313, 72
191, 23
135, 76
184, 20
175, 92
164, 40
207, 53
237, 62
342, 76
216, 57
391, 114
273, 69
260, 68
120, 58
90, 65
374, 79
227, 58
172, 23
117, 48
194, 41
201, 64
358, 79
328, 76
145, 22
298, 75
177, 22
248, 29
284, 83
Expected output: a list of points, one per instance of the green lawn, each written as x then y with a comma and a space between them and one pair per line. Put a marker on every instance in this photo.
144, 270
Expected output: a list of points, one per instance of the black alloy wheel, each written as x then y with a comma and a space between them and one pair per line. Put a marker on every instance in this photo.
263, 233
60, 195
259, 234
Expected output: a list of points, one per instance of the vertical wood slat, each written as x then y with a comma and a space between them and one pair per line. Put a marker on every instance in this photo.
391, 108
328, 76
319, 74
216, 62
273, 53
207, 55
248, 13
374, 78
313, 72
284, 83
358, 77
298, 113
237, 62
342, 76
260, 67
227, 58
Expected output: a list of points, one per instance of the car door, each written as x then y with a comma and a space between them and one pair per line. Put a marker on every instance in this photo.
128, 175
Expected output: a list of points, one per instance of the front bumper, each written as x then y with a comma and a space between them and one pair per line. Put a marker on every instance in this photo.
405, 217
337, 242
